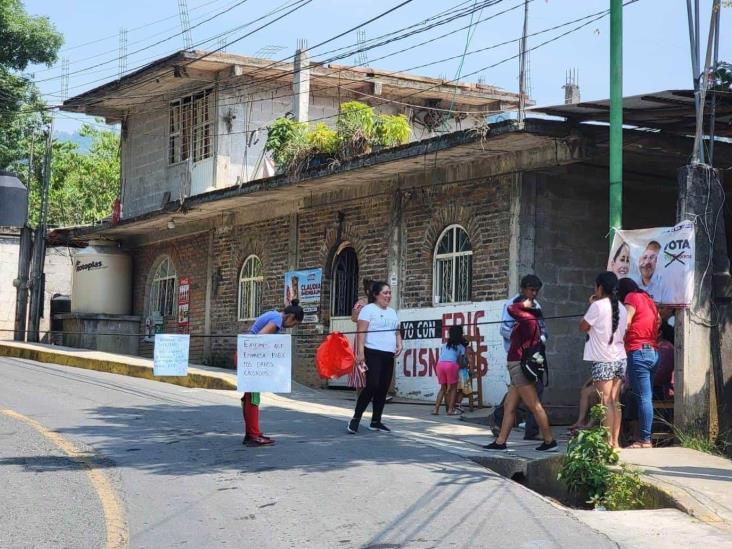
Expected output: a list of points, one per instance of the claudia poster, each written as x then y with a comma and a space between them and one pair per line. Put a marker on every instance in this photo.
305, 286
660, 260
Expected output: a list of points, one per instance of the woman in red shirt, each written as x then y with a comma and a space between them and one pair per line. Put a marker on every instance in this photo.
641, 345
524, 335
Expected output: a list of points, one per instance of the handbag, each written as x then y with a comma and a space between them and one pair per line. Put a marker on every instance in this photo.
534, 364
357, 377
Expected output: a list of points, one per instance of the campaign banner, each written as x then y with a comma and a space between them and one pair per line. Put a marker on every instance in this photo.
170, 355
305, 286
264, 363
184, 303
425, 330
659, 260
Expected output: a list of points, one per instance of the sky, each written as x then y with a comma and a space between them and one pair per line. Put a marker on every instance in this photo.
655, 41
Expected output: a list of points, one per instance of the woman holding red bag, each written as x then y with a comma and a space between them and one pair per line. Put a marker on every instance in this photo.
270, 322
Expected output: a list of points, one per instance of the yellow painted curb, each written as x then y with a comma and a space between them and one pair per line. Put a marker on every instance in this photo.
192, 380
114, 515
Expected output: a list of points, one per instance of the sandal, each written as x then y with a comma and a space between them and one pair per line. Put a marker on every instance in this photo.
435, 413
454, 413
638, 445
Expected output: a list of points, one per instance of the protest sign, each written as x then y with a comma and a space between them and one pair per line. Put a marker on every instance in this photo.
264, 363
170, 356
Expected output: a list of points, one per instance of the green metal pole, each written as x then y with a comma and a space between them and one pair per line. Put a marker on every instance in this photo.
616, 116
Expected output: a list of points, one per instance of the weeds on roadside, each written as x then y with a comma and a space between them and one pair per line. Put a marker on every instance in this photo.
586, 469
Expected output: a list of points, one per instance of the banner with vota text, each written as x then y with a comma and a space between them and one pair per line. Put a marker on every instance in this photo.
659, 260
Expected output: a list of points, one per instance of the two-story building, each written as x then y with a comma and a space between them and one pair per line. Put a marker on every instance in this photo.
451, 220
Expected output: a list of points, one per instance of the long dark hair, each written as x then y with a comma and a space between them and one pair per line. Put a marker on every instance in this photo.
628, 286
367, 283
295, 310
455, 337
375, 289
609, 284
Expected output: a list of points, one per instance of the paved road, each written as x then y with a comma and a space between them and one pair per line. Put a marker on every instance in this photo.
173, 458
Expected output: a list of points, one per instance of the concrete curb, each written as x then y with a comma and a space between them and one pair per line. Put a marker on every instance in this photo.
196, 379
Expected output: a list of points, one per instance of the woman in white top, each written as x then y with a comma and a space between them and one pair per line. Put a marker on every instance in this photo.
605, 323
377, 345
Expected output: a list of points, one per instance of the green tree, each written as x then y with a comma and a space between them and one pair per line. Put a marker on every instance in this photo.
83, 184
24, 40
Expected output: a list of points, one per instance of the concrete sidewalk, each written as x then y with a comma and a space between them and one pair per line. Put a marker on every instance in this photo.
697, 483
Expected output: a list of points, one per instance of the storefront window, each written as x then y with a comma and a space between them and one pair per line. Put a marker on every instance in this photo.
162, 291
250, 288
453, 267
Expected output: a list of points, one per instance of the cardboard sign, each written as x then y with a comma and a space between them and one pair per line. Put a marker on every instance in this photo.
264, 363
660, 260
170, 356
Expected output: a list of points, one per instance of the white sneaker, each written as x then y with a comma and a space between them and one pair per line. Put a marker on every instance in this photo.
522, 425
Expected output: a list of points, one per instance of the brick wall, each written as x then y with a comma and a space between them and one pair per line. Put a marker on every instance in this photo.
189, 256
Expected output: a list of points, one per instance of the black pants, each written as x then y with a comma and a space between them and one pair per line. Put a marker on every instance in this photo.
378, 378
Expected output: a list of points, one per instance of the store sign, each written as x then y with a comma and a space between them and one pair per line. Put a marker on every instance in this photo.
184, 304
305, 287
660, 261
170, 356
424, 332
264, 363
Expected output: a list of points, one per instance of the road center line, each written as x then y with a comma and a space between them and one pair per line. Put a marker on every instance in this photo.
114, 516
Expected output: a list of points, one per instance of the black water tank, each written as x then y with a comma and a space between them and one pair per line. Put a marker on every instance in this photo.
13, 201
59, 304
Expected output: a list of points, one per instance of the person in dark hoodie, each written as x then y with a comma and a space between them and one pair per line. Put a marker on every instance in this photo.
526, 333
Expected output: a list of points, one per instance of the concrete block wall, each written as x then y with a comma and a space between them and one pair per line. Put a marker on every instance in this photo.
147, 176
58, 281
570, 249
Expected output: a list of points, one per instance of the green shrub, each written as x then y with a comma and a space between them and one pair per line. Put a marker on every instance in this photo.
355, 120
287, 141
624, 490
585, 467
323, 139
391, 130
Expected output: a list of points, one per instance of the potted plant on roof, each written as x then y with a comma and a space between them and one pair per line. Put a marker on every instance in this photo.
355, 128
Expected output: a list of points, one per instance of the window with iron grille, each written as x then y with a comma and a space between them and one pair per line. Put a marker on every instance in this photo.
453, 266
345, 283
251, 283
191, 128
162, 291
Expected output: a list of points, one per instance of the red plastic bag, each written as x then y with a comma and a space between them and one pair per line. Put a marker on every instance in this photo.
334, 358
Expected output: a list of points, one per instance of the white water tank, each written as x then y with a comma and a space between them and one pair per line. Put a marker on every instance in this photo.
102, 280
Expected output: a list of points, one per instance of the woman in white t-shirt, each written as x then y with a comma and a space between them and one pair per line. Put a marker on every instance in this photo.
377, 345
605, 323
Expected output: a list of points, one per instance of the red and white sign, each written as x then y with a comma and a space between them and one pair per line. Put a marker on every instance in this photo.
184, 303
425, 330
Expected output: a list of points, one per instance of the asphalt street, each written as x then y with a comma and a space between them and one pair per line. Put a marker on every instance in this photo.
173, 457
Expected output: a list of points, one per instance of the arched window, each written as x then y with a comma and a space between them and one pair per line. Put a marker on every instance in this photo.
345, 282
250, 288
453, 267
162, 291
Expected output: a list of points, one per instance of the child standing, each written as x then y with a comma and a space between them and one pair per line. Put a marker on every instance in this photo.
447, 369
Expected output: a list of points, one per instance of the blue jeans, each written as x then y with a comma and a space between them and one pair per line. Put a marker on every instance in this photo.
641, 367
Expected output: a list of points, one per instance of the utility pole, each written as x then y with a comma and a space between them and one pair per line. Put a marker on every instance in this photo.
39, 248
616, 117
522, 67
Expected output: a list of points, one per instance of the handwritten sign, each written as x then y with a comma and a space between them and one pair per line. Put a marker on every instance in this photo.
264, 363
170, 357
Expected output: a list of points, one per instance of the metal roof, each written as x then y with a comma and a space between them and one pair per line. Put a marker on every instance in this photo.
670, 110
